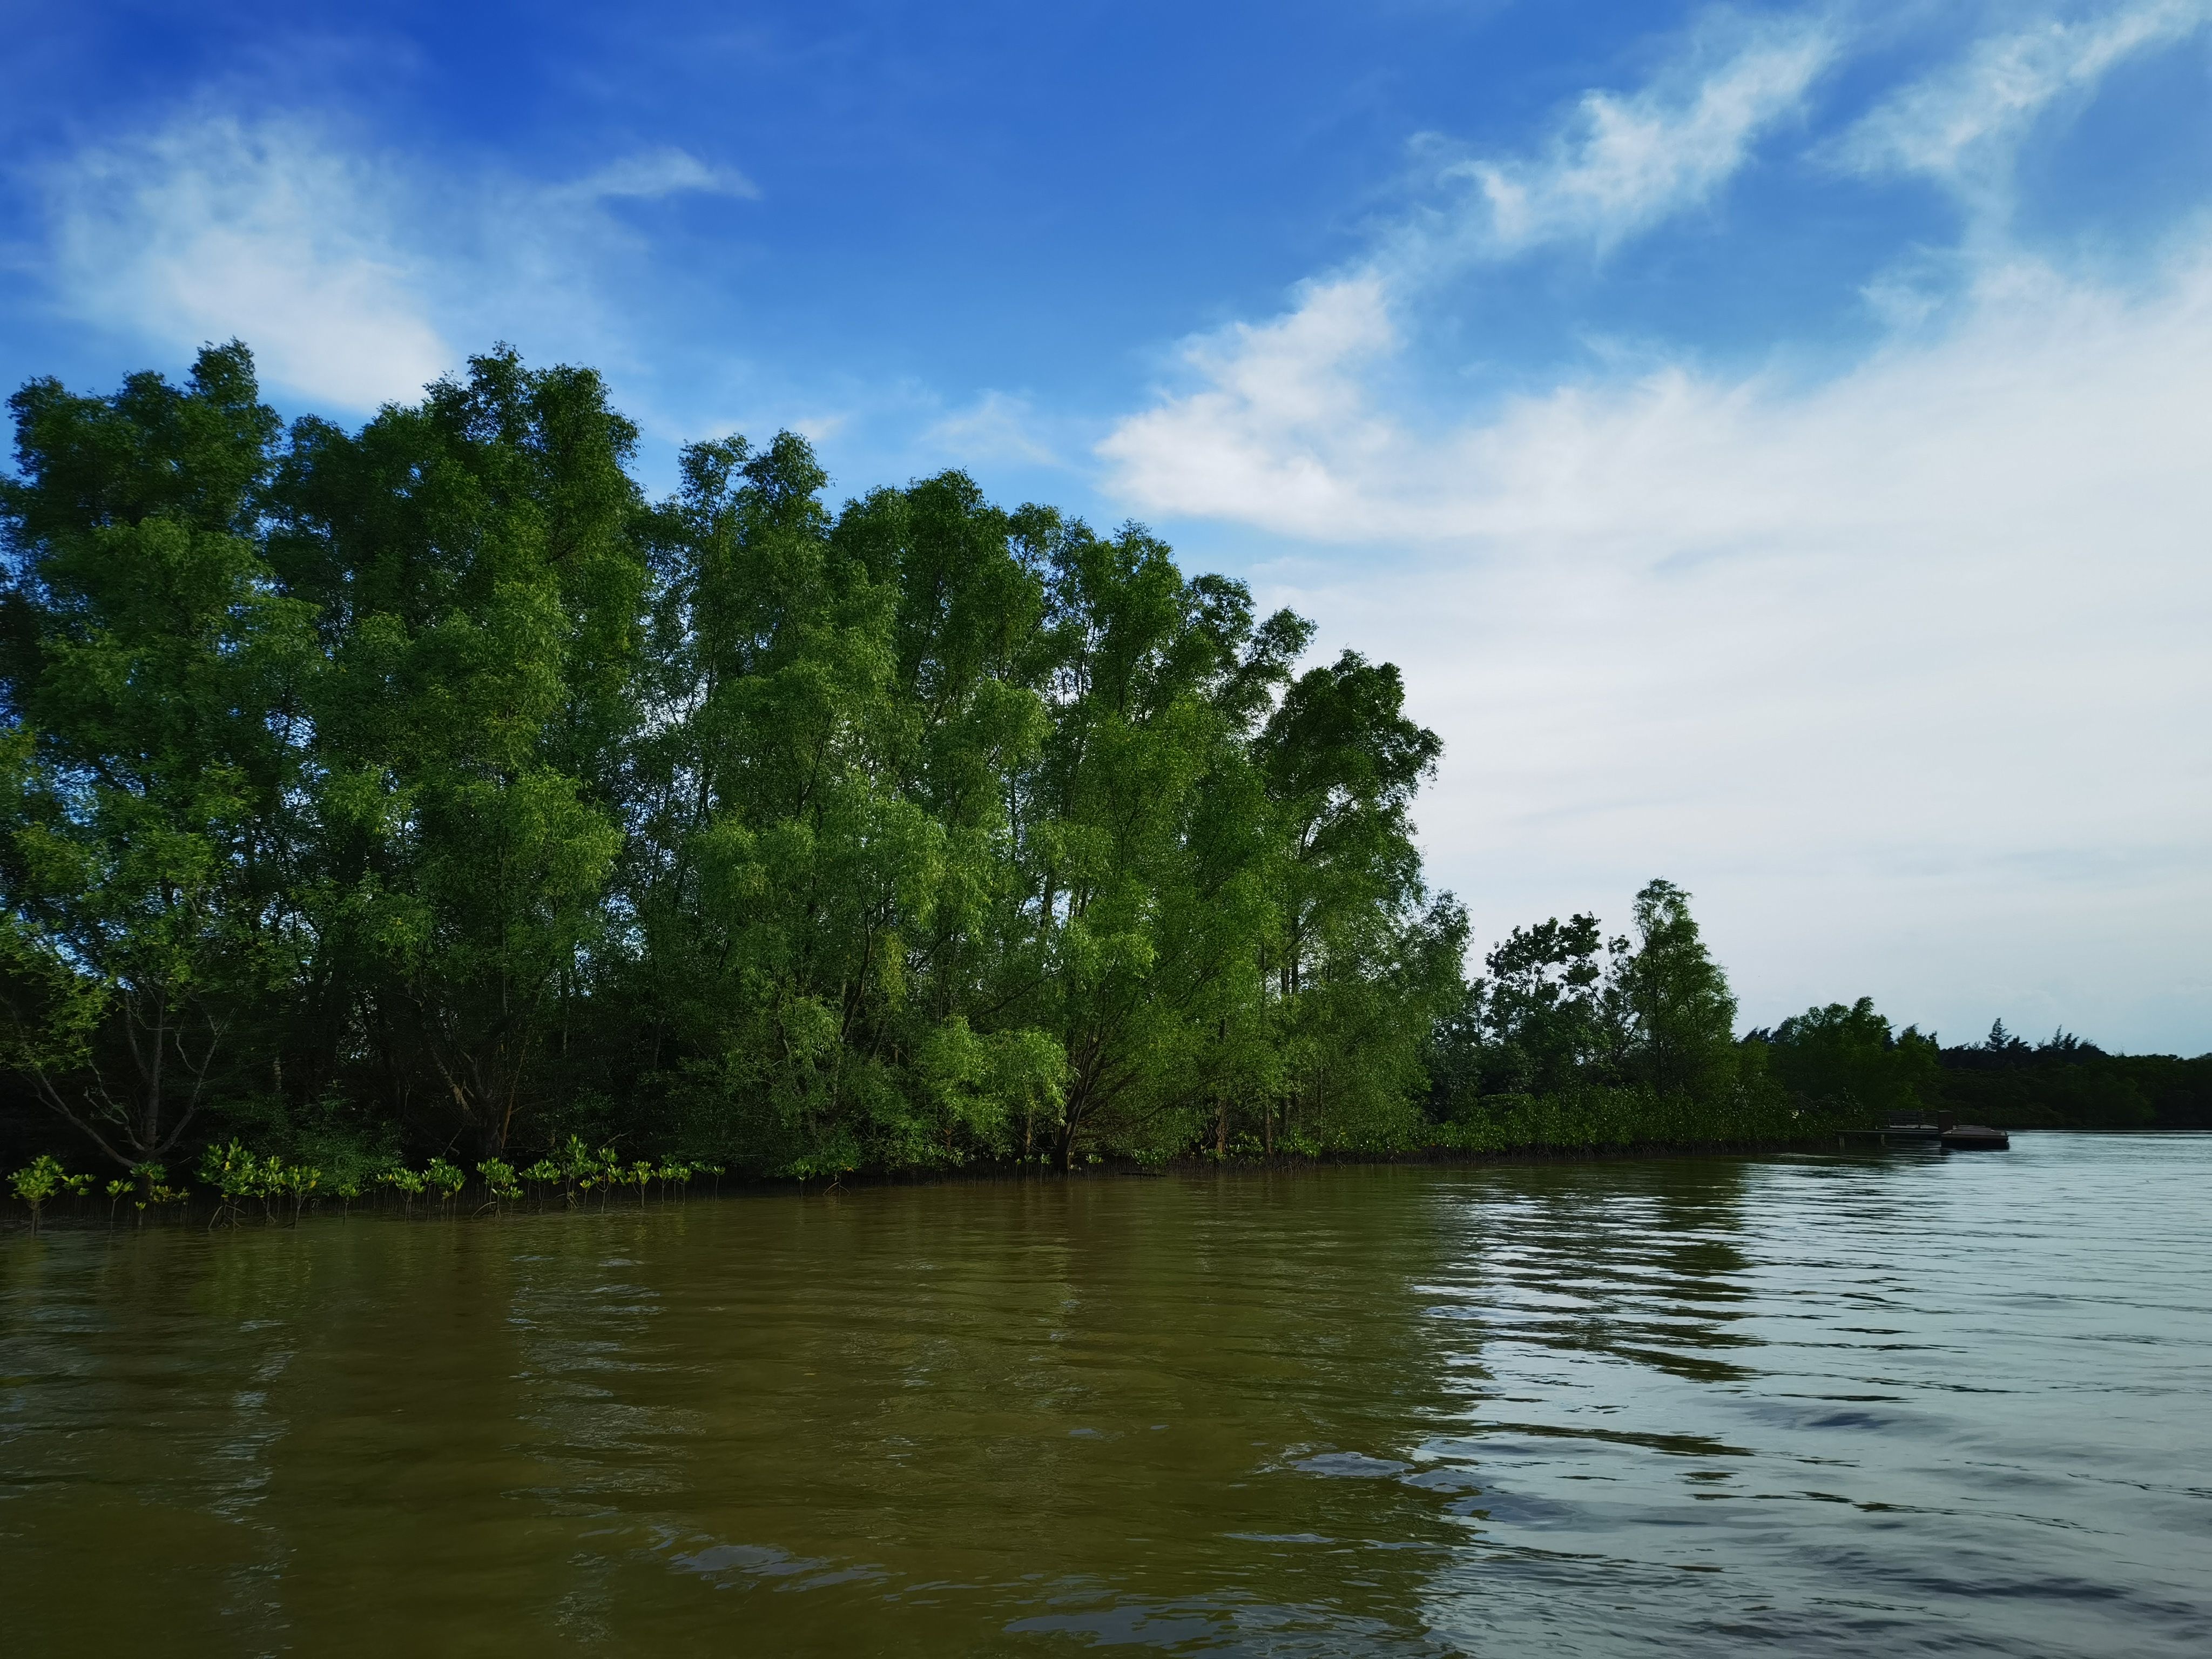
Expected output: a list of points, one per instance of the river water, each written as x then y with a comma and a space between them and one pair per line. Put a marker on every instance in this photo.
1874, 1404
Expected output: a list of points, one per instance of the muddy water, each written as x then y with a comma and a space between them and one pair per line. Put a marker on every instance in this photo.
1866, 1405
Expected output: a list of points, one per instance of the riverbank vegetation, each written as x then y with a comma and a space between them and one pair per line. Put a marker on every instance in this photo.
427, 789
422, 802
2068, 1083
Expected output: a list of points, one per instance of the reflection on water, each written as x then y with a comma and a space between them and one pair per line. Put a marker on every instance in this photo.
1814, 1404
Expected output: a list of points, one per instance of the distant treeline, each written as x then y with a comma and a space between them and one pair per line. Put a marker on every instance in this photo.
426, 790
2068, 1084
1551, 1022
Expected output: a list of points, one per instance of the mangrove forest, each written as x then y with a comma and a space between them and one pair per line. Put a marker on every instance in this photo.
427, 799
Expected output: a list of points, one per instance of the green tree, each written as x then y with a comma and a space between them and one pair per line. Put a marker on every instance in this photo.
1361, 966
781, 870
1678, 1012
1846, 1060
390, 789
481, 593
1549, 1017
156, 684
1134, 875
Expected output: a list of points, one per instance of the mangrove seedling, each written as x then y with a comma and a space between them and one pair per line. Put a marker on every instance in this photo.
408, 1184
157, 1195
232, 1172
579, 1167
295, 1182
38, 1181
672, 1174
499, 1182
540, 1175
447, 1178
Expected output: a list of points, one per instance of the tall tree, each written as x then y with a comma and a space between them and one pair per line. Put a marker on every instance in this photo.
1847, 1060
482, 594
1138, 928
1550, 1013
1359, 971
426, 775
1680, 1013
155, 684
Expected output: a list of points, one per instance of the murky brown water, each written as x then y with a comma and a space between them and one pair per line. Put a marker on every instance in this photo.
1863, 1406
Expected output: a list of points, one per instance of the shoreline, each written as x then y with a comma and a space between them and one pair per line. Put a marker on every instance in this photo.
196, 1216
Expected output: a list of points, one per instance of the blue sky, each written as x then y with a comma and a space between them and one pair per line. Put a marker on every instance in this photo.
1772, 438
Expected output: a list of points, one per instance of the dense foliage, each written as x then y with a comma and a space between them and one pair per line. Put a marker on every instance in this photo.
426, 787
1573, 1039
2068, 1083
427, 791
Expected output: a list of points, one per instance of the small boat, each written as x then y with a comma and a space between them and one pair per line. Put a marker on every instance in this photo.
1974, 1138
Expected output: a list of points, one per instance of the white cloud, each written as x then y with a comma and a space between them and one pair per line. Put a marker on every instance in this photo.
1622, 163
1963, 124
1901, 671
347, 274
656, 174
213, 229
1282, 423
1284, 407
1904, 675
996, 426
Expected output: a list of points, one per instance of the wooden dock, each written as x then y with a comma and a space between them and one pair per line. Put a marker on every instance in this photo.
1949, 1137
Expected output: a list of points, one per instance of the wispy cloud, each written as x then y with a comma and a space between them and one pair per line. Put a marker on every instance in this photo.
996, 426
1284, 422
348, 273
654, 175
1283, 432
214, 228
1963, 124
1813, 647
1621, 163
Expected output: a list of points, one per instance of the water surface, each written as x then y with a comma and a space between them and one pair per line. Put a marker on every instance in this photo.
1868, 1405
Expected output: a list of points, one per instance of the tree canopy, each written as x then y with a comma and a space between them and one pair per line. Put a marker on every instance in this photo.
429, 781
427, 789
